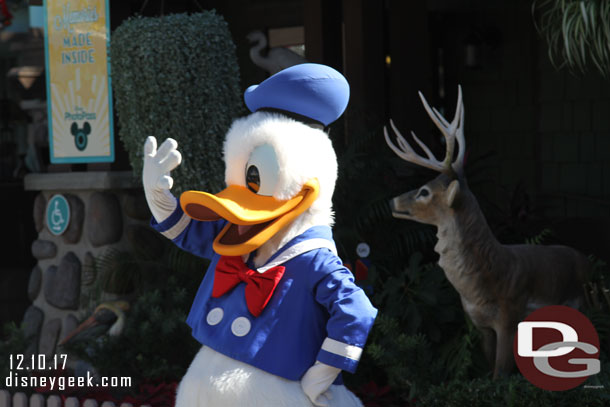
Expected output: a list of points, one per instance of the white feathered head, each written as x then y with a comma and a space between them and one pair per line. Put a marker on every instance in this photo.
280, 163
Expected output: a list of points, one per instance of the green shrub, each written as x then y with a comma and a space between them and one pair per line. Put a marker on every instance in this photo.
177, 76
408, 361
514, 391
156, 343
164, 286
12, 342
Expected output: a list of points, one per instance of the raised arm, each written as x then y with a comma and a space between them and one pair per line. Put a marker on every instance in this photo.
156, 177
168, 218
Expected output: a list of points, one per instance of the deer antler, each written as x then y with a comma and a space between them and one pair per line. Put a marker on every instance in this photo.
451, 131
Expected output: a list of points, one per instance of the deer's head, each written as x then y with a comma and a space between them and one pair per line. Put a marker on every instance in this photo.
435, 200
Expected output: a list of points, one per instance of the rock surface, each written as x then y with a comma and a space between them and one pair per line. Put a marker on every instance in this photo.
62, 284
77, 216
32, 321
104, 220
34, 283
70, 324
43, 249
40, 206
89, 272
145, 241
48, 337
136, 207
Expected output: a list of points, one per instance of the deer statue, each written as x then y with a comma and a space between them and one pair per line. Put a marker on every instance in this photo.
498, 284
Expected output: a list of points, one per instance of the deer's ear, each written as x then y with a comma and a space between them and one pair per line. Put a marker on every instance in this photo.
453, 191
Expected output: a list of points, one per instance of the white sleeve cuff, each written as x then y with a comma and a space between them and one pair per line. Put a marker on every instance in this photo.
174, 225
342, 349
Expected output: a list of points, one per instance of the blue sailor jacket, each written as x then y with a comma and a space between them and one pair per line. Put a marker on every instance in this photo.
315, 313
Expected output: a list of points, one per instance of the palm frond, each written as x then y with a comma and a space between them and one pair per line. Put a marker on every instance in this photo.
577, 33
540, 238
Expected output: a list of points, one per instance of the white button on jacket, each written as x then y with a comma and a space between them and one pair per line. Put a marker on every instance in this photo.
240, 326
215, 316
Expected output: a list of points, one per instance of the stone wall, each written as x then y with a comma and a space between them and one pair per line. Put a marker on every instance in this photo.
107, 210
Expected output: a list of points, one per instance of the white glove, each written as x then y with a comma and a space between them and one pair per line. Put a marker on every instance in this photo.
155, 176
317, 380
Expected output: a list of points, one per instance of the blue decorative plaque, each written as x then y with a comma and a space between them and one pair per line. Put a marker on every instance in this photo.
58, 214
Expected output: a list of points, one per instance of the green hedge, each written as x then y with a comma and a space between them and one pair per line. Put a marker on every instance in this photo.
177, 76
515, 391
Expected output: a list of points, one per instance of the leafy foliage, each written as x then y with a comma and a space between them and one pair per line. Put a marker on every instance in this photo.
369, 176
597, 299
420, 334
12, 342
540, 237
420, 337
513, 391
577, 32
177, 76
164, 284
119, 272
421, 297
462, 355
156, 343
422, 368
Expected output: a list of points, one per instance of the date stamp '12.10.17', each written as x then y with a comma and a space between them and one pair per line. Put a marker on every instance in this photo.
38, 371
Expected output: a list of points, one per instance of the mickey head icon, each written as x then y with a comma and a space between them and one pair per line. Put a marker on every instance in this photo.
80, 135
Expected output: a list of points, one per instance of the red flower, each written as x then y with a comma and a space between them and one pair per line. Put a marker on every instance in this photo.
6, 20
362, 271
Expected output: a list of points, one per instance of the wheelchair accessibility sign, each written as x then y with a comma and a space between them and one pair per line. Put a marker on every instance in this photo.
58, 214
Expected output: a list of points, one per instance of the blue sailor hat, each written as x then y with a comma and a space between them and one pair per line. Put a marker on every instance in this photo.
313, 91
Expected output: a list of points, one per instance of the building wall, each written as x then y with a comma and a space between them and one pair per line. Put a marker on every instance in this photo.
543, 129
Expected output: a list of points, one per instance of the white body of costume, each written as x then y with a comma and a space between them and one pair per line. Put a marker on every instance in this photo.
215, 380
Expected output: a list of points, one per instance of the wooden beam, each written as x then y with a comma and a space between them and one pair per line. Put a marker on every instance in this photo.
411, 68
323, 36
364, 64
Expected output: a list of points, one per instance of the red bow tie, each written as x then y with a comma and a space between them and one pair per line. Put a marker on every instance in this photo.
231, 270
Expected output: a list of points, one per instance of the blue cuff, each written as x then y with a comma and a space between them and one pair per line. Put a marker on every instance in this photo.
337, 361
339, 380
173, 226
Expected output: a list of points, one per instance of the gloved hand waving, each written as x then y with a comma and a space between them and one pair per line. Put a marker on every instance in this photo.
156, 176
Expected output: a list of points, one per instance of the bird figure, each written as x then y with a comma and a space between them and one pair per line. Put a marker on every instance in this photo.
276, 59
107, 318
278, 315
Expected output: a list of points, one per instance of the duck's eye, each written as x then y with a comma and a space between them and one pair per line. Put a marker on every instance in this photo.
424, 192
253, 180
262, 171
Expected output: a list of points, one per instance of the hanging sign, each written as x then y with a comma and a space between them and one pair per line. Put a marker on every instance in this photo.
79, 97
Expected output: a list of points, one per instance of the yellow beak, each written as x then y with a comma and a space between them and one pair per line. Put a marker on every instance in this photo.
253, 219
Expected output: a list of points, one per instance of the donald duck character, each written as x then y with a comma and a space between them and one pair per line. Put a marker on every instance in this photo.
277, 313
